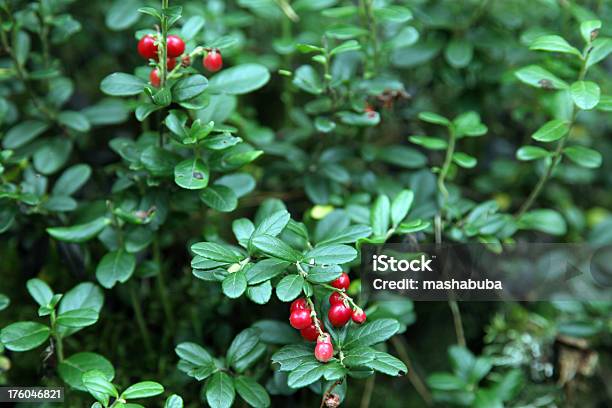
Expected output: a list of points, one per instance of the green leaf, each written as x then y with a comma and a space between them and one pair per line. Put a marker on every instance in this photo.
323, 274
464, 160
289, 287
585, 94
97, 384
308, 80
345, 31
305, 374
554, 43
242, 345
601, 48
551, 131
348, 235
346, 46
71, 369
240, 79
81, 232
330, 254
583, 156
276, 248
372, 333
193, 353
537, 76
116, 266
74, 120
216, 252
431, 117
220, 392
400, 206
445, 382
547, 221
261, 293
189, 87
85, 295
265, 270
291, 356
459, 53
469, 124
220, 198
23, 133
192, 27
393, 14
250, 391
387, 364
78, 318
605, 103
52, 155
527, 153
174, 401
143, 389
234, 284
273, 224
40, 291
72, 179
191, 174
120, 84
379, 216
4, 301
23, 336
123, 14
432, 143
158, 161
589, 29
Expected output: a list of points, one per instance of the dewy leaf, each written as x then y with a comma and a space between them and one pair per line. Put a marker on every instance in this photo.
554, 43
23, 336
583, 156
78, 318
289, 287
380, 215
372, 333
537, 76
220, 392
79, 233
191, 174
71, 370
189, 87
551, 131
252, 392
276, 248
585, 94
116, 266
548, 221
40, 291
143, 389
400, 206
120, 84
330, 254
240, 79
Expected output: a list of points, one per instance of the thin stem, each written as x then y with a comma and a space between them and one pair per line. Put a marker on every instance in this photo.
313, 314
414, 378
328, 392
164, 41
142, 326
59, 346
448, 159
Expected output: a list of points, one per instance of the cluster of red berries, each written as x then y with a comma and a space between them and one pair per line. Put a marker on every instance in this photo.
339, 314
175, 47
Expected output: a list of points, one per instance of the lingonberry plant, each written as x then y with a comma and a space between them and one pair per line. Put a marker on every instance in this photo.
197, 180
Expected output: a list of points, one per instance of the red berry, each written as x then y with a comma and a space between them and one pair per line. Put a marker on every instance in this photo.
359, 316
171, 63
147, 48
213, 61
339, 315
174, 46
311, 333
336, 298
154, 78
324, 352
299, 304
342, 282
300, 319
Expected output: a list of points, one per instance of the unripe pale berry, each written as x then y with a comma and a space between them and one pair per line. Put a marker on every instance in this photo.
174, 46
299, 304
359, 316
300, 319
213, 61
336, 298
154, 78
324, 352
147, 48
342, 282
339, 315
